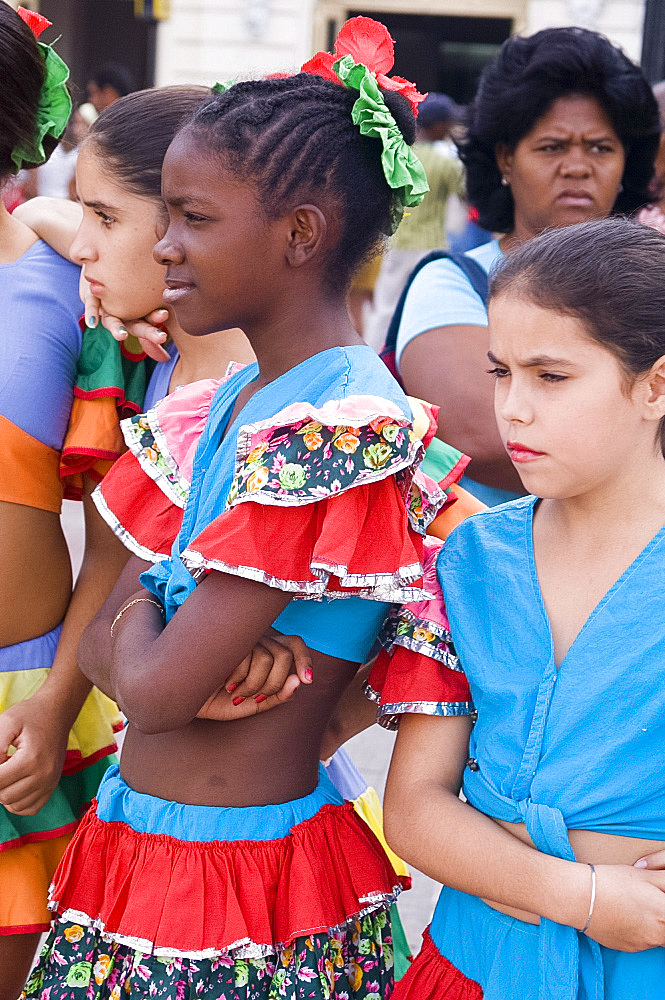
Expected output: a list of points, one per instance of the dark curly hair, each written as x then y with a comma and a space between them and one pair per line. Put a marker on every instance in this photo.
22, 75
295, 139
607, 273
519, 86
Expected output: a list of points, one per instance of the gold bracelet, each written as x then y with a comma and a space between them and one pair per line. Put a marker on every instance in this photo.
137, 600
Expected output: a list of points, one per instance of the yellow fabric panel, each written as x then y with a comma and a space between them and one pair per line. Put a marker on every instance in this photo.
368, 807
94, 727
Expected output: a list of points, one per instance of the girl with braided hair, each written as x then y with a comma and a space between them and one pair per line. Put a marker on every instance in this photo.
220, 860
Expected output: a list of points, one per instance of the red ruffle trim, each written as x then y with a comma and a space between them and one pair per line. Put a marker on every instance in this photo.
433, 977
357, 542
147, 522
408, 677
173, 897
75, 761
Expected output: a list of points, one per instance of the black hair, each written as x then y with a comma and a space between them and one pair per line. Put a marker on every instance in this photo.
134, 133
115, 75
519, 86
608, 274
22, 74
294, 137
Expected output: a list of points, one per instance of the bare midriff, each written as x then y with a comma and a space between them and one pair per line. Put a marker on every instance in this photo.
36, 578
261, 760
590, 848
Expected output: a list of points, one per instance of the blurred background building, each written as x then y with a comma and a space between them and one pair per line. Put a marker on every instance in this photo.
441, 44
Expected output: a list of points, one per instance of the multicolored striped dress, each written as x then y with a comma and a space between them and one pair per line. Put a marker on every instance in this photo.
40, 348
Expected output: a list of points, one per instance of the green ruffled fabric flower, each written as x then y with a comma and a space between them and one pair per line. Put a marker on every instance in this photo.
54, 109
403, 170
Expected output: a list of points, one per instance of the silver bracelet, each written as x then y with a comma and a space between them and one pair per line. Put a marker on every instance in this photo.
137, 600
593, 899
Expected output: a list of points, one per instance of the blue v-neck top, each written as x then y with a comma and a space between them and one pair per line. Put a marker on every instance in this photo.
574, 747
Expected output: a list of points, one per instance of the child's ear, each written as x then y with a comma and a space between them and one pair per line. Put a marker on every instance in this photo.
308, 228
654, 390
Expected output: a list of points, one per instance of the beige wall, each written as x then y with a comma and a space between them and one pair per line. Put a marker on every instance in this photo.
620, 20
207, 40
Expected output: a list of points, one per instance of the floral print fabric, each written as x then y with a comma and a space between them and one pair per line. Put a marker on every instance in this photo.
351, 963
310, 461
420, 635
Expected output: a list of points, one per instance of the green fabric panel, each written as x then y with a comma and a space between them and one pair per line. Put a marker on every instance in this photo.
439, 459
401, 950
73, 793
102, 364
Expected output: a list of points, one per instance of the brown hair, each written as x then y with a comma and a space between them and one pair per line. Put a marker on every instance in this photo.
134, 133
608, 273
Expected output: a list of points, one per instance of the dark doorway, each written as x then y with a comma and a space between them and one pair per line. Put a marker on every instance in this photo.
444, 54
99, 31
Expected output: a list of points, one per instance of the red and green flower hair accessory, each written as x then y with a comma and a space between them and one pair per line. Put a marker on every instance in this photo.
55, 104
364, 54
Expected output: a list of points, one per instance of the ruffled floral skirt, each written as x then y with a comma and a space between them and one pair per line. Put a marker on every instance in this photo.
354, 962
161, 899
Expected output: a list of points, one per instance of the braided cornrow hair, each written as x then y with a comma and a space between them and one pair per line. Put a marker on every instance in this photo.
294, 138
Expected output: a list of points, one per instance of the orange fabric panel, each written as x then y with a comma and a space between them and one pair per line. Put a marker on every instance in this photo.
92, 444
25, 875
465, 505
29, 470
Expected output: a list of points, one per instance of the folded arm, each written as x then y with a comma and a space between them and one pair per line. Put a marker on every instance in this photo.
428, 825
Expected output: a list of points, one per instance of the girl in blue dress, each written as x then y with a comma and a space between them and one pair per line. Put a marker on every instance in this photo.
221, 861
556, 615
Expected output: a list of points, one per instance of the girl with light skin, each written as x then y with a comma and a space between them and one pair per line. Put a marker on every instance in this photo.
552, 864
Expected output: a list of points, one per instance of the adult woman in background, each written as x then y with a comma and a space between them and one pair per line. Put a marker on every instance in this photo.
563, 129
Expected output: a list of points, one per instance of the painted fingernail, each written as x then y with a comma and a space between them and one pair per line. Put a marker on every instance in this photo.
259, 698
309, 675
238, 701
91, 322
231, 688
642, 863
121, 329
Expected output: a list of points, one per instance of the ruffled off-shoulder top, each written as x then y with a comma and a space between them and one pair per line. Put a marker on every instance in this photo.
314, 489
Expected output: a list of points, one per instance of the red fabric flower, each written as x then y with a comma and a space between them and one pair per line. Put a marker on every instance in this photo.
367, 42
321, 64
36, 22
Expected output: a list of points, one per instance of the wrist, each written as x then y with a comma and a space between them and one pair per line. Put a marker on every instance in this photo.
56, 707
569, 896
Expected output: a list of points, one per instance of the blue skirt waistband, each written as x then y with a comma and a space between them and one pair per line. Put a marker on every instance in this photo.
33, 654
118, 803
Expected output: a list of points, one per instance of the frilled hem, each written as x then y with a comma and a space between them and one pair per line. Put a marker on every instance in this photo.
24, 929
174, 898
433, 977
61, 814
358, 543
388, 714
387, 587
455, 473
114, 391
151, 525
